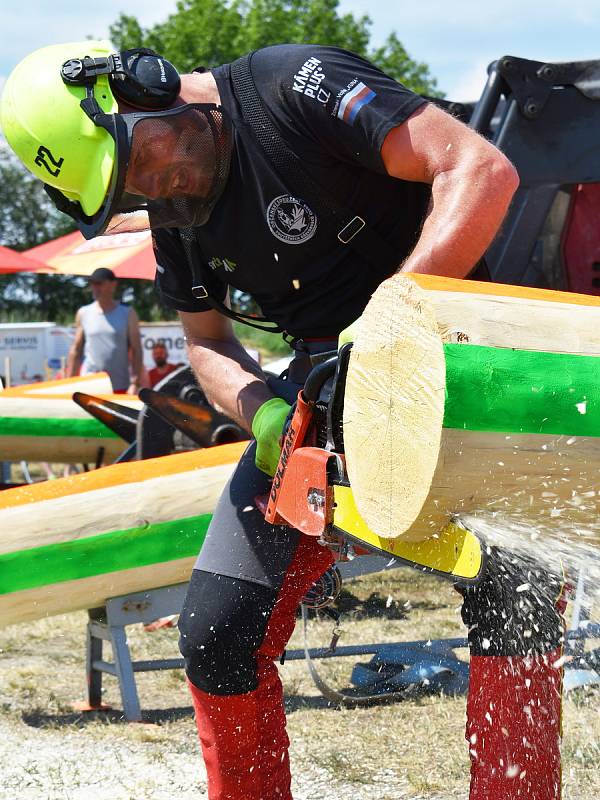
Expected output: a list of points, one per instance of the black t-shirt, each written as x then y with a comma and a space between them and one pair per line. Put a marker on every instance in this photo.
333, 109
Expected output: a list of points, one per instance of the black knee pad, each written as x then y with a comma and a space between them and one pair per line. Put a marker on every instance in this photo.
512, 610
222, 624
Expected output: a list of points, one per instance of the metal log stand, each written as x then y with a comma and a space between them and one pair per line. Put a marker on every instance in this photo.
396, 670
108, 624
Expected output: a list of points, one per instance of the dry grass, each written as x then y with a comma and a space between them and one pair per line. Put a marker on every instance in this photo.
414, 749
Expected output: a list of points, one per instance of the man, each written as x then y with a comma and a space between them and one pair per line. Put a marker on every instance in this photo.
107, 337
223, 215
162, 368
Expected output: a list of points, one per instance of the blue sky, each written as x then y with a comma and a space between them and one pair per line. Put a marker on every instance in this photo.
457, 38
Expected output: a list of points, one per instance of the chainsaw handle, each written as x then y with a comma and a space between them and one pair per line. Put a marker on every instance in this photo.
317, 377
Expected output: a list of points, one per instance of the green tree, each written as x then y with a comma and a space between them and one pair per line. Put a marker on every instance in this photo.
199, 32
393, 59
28, 218
212, 32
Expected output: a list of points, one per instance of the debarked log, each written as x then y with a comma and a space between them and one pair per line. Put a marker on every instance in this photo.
465, 397
75, 542
40, 422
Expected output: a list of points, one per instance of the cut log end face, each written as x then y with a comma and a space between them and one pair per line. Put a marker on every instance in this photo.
394, 406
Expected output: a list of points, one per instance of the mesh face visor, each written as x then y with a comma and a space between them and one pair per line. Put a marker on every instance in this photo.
169, 171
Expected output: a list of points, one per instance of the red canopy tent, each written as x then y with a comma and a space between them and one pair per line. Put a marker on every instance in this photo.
11, 261
129, 255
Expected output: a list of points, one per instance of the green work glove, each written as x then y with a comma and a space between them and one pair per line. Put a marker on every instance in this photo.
349, 333
267, 427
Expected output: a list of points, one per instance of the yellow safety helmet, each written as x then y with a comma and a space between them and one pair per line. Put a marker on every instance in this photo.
59, 112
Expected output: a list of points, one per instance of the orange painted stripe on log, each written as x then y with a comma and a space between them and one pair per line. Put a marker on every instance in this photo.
124, 399
436, 282
61, 385
129, 472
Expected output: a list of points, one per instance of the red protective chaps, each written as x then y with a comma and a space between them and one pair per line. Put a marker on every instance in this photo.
515, 683
243, 736
513, 727
244, 741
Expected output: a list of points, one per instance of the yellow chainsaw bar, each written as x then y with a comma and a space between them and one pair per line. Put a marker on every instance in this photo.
454, 552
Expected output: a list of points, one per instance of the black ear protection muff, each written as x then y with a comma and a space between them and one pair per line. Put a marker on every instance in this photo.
139, 77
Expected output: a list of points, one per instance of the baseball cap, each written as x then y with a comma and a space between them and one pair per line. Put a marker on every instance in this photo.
102, 274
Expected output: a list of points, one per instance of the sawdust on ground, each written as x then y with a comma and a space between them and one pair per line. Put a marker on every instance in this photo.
410, 750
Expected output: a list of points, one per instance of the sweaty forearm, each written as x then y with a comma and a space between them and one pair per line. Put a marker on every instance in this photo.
467, 208
232, 381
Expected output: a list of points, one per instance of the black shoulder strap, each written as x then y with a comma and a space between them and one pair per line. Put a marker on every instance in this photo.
349, 228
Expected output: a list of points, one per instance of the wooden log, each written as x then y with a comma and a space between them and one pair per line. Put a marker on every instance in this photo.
520, 429
40, 422
498, 315
75, 542
394, 406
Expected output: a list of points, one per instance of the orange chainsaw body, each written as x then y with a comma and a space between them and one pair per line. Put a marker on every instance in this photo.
301, 495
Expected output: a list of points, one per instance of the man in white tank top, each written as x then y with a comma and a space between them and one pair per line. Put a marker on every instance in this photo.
107, 337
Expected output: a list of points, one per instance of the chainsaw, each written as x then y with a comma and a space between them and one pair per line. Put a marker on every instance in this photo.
311, 491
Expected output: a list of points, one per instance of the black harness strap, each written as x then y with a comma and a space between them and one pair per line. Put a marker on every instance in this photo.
201, 288
348, 227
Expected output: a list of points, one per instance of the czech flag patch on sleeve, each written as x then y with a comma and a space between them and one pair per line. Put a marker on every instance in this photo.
353, 101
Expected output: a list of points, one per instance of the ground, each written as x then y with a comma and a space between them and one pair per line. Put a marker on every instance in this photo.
412, 749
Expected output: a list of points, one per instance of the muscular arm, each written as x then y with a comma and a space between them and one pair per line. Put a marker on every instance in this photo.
135, 343
472, 184
76, 352
232, 381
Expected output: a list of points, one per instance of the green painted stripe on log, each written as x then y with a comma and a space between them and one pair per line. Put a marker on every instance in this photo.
55, 427
521, 391
104, 553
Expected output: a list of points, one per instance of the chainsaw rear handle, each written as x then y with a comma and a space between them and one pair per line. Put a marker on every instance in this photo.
317, 378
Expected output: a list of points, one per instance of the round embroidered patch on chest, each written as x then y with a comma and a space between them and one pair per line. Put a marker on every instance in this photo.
291, 220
